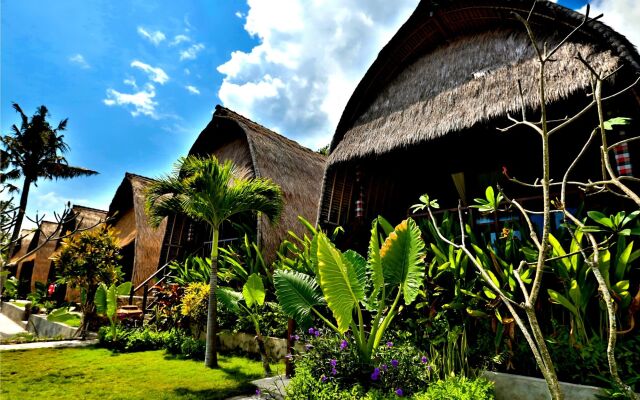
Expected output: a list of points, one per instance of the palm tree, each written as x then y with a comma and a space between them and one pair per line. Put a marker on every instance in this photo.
34, 151
210, 191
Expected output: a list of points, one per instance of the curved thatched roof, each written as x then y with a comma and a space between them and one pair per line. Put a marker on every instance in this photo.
127, 215
266, 154
456, 63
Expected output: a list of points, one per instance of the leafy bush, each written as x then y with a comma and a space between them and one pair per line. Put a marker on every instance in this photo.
194, 305
332, 359
131, 340
192, 270
304, 385
459, 388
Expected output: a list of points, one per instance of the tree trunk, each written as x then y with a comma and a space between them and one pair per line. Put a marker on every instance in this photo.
211, 353
263, 354
24, 196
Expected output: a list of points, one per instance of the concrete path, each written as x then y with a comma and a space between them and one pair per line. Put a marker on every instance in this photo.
269, 388
9, 328
46, 345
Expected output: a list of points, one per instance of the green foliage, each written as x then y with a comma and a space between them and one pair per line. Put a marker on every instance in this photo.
89, 258
106, 300
352, 285
10, 288
459, 388
238, 261
617, 223
194, 305
65, 315
304, 385
191, 270
132, 340
491, 203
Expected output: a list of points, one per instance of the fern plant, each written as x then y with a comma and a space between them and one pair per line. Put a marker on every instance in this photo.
352, 286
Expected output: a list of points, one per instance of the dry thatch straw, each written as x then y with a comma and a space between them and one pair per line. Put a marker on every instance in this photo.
263, 153
43, 255
131, 222
25, 242
455, 65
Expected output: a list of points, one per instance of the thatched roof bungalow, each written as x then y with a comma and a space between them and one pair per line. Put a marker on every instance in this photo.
19, 265
261, 153
424, 116
139, 242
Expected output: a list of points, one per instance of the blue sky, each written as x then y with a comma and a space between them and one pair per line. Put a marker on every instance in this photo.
139, 80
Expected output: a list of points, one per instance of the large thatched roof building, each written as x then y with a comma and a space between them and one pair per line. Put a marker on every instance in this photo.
20, 266
140, 243
261, 153
424, 117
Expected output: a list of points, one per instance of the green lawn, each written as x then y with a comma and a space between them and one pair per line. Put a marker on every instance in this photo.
92, 373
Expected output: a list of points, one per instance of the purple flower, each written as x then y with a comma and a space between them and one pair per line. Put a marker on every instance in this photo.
258, 392
316, 333
384, 367
424, 359
323, 378
389, 344
288, 356
343, 345
399, 392
394, 363
429, 367
375, 374
311, 331
334, 371
296, 337
333, 362
308, 346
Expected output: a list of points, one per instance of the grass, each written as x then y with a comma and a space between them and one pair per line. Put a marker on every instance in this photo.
93, 373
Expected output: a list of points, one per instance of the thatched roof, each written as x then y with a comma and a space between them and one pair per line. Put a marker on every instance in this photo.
456, 64
266, 154
127, 210
43, 255
86, 217
27, 237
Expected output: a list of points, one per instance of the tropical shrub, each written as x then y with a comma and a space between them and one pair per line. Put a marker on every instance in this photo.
194, 305
192, 270
352, 285
131, 340
106, 300
459, 388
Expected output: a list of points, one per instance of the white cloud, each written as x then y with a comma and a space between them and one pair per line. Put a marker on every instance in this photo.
621, 15
79, 60
46, 205
187, 71
179, 39
192, 52
310, 57
155, 74
192, 89
130, 82
154, 37
239, 14
142, 101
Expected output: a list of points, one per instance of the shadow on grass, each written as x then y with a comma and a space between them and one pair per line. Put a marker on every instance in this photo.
214, 394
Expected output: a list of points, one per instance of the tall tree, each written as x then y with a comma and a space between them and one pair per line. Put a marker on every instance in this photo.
212, 192
33, 151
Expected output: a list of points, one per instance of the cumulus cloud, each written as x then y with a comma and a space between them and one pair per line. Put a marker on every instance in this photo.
309, 59
155, 74
141, 101
192, 52
192, 89
154, 37
622, 15
46, 204
79, 60
179, 39
239, 14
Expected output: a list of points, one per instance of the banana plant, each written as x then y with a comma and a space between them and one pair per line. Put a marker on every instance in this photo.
106, 300
250, 301
352, 286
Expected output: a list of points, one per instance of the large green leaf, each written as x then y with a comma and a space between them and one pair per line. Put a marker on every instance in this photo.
402, 257
601, 219
124, 289
297, 293
558, 251
359, 265
622, 262
339, 282
230, 299
375, 263
560, 299
253, 291
100, 299
112, 301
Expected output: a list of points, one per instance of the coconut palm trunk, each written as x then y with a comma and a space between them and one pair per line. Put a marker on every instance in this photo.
211, 351
24, 196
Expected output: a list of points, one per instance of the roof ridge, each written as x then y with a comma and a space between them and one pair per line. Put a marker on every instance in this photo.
243, 119
89, 208
134, 175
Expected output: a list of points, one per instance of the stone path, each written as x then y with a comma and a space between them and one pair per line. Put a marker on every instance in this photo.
9, 328
46, 345
270, 388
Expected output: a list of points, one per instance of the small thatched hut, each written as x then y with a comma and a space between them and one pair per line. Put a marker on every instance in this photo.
140, 243
261, 153
424, 117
